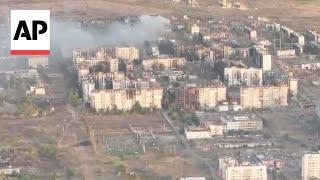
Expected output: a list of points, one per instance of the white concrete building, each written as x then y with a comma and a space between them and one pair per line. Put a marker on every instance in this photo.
261, 58
36, 61
231, 169
235, 76
197, 133
126, 53
195, 29
88, 86
311, 166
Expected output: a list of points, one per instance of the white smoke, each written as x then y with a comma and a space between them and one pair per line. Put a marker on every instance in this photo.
69, 35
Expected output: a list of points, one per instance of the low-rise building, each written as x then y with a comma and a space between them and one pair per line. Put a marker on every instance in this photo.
244, 169
195, 29
289, 53
220, 124
197, 133
241, 123
36, 61
38, 90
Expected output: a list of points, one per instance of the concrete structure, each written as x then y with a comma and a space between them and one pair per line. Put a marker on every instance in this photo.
250, 32
197, 133
10, 171
88, 86
200, 97
292, 36
210, 96
293, 87
232, 169
164, 61
297, 38
311, 166
193, 178
221, 124
289, 53
235, 76
216, 129
37, 90
155, 51
102, 79
36, 61
130, 84
313, 35
124, 99
241, 123
264, 96
126, 53
260, 58
113, 65
310, 66
195, 29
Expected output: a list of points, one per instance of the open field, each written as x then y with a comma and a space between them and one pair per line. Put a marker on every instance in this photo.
288, 11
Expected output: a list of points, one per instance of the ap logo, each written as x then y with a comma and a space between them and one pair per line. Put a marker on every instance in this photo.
30, 32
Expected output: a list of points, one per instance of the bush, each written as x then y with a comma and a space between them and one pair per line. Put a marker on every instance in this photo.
48, 151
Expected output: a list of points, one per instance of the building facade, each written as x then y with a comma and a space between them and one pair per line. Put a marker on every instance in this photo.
200, 97
36, 61
126, 53
235, 76
264, 96
125, 99
166, 62
311, 166
260, 58
231, 169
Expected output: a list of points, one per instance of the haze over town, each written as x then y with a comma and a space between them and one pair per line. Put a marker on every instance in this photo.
164, 89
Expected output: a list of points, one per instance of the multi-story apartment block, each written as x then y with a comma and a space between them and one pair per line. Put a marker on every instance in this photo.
187, 97
260, 58
200, 97
264, 96
311, 166
113, 65
83, 72
232, 169
88, 86
210, 96
126, 53
235, 76
102, 79
130, 84
125, 99
165, 61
